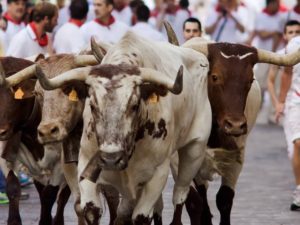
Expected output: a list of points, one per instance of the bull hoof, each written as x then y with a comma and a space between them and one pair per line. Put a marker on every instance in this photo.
92, 214
142, 220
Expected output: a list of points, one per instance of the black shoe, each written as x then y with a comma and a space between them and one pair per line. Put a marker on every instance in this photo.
294, 207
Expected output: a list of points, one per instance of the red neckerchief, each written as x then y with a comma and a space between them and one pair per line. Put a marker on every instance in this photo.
282, 8
297, 9
154, 12
43, 41
9, 18
76, 22
110, 22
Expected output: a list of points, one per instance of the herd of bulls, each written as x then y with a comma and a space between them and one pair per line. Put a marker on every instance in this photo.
117, 118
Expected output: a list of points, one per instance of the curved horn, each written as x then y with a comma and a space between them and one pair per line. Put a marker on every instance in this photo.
85, 60
58, 81
154, 76
291, 59
97, 51
2, 75
198, 44
18, 77
172, 38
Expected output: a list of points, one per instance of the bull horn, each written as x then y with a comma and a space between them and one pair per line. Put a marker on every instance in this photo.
56, 82
291, 59
172, 38
97, 51
18, 77
154, 76
199, 44
85, 60
2, 75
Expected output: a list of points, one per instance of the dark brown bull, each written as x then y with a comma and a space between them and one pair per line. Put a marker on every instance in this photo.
235, 100
19, 117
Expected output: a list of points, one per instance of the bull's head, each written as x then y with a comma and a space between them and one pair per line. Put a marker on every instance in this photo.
17, 99
61, 108
117, 93
230, 78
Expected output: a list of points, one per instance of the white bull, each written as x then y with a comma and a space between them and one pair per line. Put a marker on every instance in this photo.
132, 124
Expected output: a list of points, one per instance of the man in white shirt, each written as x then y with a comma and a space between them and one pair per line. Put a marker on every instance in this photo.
227, 22
191, 28
122, 11
68, 38
290, 99
104, 28
142, 27
33, 39
13, 16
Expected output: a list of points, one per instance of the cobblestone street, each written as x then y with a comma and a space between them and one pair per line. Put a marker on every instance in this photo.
263, 194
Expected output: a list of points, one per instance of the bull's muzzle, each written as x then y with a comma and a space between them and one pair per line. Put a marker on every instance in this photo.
235, 127
113, 161
50, 132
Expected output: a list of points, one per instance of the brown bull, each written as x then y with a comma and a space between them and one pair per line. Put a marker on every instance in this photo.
19, 117
235, 99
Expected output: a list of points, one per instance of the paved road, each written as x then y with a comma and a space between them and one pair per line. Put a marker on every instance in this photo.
263, 192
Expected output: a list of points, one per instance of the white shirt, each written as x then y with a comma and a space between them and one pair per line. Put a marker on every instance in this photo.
68, 39
292, 15
124, 15
147, 31
24, 44
110, 34
180, 17
293, 95
266, 22
229, 32
11, 31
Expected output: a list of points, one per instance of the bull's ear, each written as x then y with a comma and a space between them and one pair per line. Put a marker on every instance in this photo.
39, 57
151, 92
24, 90
75, 90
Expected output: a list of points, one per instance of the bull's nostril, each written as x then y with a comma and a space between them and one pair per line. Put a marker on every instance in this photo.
54, 130
41, 134
244, 126
228, 124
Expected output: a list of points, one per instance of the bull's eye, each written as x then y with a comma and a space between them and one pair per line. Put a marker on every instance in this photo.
214, 77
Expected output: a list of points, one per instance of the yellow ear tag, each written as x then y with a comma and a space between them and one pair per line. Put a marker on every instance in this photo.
153, 98
19, 93
73, 96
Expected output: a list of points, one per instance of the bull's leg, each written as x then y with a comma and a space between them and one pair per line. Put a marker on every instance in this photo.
13, 190
112, 198
191, 157
90, 202
206, 218
230, 173
157, 216
63, 198
125, 211
194, 206
49, 194
143, 211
